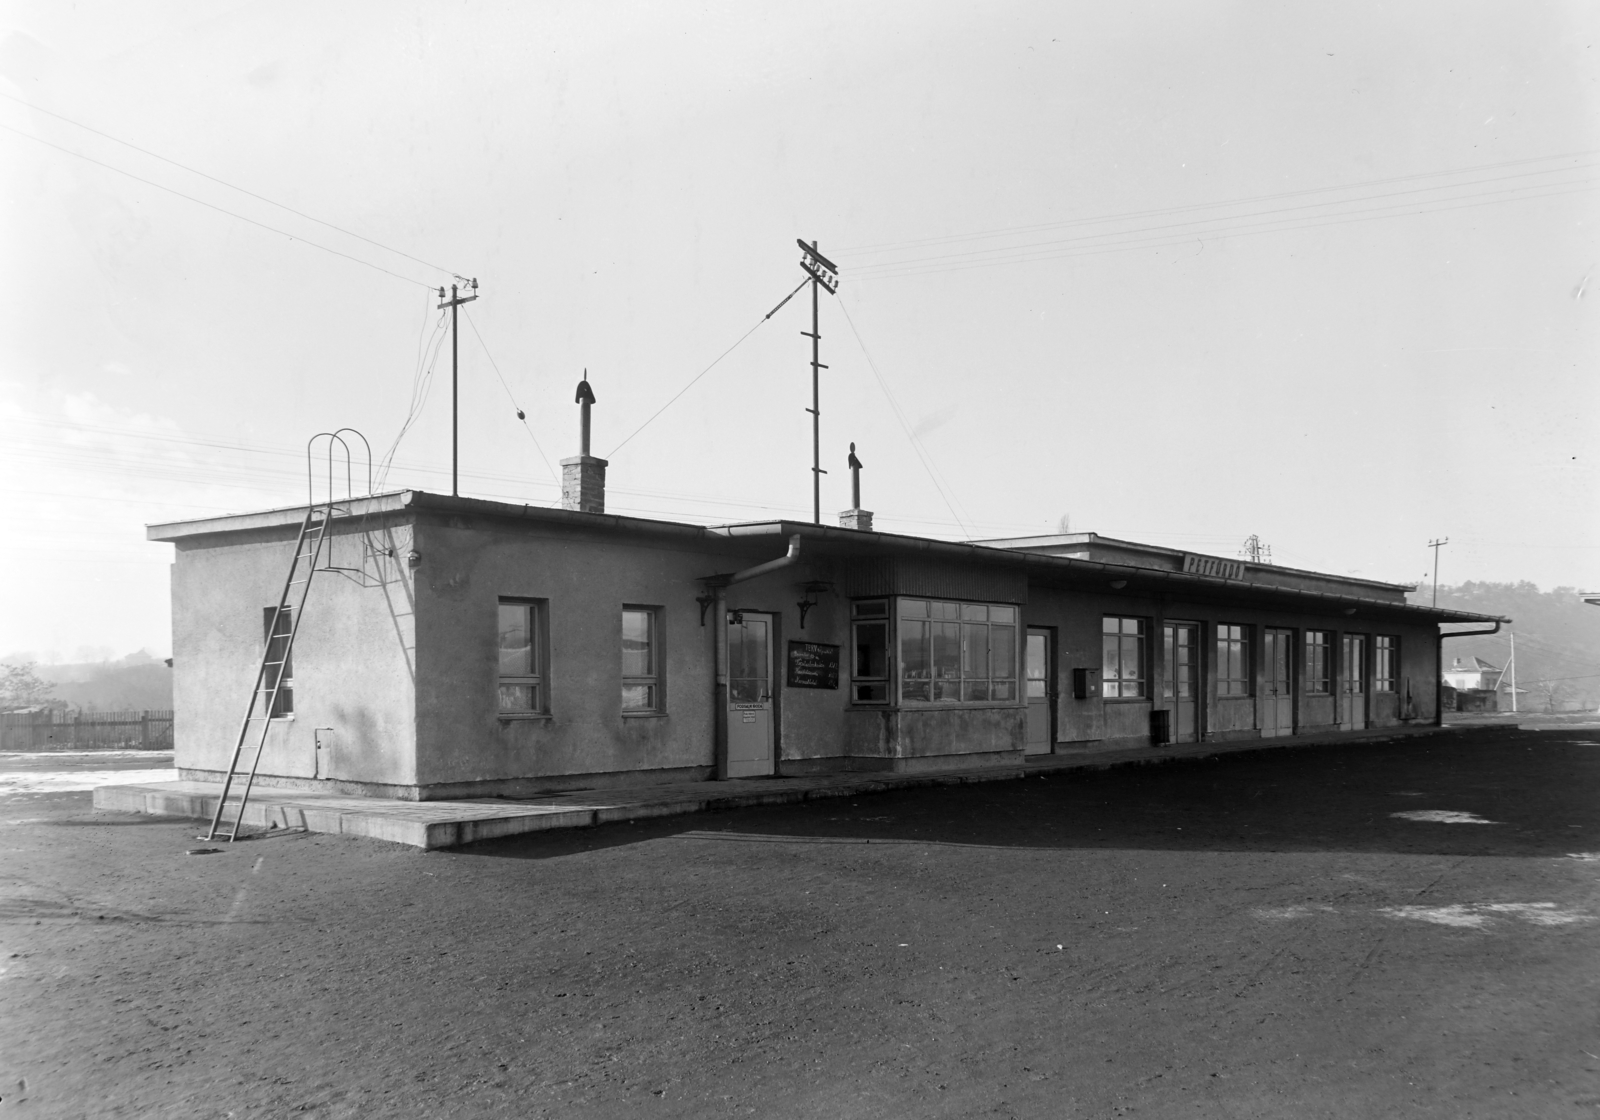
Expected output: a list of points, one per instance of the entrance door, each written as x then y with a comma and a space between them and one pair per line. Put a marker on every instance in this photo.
1277, 698
1180, 680
750, 752
1040, 693
1353, 683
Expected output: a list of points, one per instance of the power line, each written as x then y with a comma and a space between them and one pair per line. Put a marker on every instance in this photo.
894, 406
213, 206
708, 369
225, 183
1129, 215
522, 416
1023, 254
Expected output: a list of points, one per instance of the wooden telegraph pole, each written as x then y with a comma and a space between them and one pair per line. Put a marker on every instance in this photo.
824, 274
454, 304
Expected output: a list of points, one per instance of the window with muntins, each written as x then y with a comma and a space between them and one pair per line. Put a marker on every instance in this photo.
955, 653
641, 659
280, 661
869, 662
1233, 660
1385, 662
521, 658
1319, 662
1122, 674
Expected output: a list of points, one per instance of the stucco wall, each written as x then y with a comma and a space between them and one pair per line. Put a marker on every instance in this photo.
352, 657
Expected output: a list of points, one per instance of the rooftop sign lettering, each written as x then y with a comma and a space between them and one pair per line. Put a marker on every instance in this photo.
1212, 566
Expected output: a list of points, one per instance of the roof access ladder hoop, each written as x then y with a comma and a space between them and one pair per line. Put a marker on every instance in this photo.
284, 625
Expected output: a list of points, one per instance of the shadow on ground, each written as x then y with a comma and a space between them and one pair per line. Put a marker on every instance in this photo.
1538, 787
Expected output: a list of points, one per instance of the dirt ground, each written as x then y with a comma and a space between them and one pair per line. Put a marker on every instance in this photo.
1255, 936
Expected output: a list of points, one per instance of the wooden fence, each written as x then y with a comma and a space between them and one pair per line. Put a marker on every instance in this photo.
68, 730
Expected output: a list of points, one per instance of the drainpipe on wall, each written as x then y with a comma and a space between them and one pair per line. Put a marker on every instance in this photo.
719, 644
1438, 674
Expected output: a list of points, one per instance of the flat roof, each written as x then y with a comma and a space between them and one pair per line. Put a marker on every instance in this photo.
1066, 571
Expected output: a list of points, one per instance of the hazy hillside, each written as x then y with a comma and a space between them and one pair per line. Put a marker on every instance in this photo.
133, 682
1557, 635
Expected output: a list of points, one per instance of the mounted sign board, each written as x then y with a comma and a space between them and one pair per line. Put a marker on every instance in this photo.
1213, 566
813, 665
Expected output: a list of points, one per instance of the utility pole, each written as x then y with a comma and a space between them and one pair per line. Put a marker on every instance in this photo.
454, 304
1436, 546
1512, 635
824, 274
1256, 551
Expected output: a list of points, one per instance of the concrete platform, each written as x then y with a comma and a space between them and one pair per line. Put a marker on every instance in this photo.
445, 824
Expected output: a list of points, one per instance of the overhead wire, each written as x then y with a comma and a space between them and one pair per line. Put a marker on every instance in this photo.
1124, 240
421, 382
1133, 214
521, 415
225, 183
921, 452
695, 379
213, 206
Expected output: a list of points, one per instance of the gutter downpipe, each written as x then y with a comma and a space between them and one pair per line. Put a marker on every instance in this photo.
719, 645
1438, 676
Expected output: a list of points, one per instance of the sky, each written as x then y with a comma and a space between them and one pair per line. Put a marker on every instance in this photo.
1177, 272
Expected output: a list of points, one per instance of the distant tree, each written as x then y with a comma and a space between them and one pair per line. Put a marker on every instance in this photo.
20, 687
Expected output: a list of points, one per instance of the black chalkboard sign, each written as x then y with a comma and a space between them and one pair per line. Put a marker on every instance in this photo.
813, 665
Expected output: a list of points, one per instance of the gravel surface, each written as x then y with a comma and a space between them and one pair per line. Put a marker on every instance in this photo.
1261, 935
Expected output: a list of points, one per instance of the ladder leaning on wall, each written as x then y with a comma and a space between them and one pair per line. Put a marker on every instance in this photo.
278, 649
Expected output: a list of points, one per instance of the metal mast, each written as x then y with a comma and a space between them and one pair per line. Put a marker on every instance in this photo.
1436, 546
454, 304
824, 274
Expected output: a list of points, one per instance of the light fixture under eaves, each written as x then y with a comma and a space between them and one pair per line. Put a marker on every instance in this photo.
1349, 610
1118, 584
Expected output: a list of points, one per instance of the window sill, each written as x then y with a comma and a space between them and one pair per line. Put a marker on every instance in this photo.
523, 717
946, 705
644, 715
1126, 699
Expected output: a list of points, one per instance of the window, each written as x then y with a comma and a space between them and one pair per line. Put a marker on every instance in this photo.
1122, 647
1319, 662
957, 652
1385, 652
869, 666
280, 661
1233, 660
641, 659
522, 656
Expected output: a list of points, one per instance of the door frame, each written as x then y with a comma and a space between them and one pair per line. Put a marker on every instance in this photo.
1197, 669
1052, 682
1291, 666
720, 717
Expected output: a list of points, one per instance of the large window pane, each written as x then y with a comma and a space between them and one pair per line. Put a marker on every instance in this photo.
974, 651
516, 640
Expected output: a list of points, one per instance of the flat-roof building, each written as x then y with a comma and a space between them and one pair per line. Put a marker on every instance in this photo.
455, 647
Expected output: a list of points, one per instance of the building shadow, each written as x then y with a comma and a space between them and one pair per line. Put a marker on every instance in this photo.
1539, 789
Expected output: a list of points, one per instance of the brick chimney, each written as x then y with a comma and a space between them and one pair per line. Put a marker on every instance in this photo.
583, 477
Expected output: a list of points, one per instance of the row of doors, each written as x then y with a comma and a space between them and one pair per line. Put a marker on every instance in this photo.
1180, 683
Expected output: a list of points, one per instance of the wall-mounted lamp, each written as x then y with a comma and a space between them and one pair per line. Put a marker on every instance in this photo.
1118, 584
808, 598
1349, 610
413, 558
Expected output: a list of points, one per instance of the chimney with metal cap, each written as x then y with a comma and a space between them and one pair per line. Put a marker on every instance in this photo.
855, 517
583, 478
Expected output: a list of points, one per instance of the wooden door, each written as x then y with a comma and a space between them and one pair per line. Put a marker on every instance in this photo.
750, 753
1039, 686
1180, 680
1277, 689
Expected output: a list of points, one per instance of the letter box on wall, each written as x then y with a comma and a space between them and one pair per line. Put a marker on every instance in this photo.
1085, 683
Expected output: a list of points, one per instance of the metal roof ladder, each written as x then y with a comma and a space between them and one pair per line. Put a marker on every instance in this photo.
259, 712
280, 631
